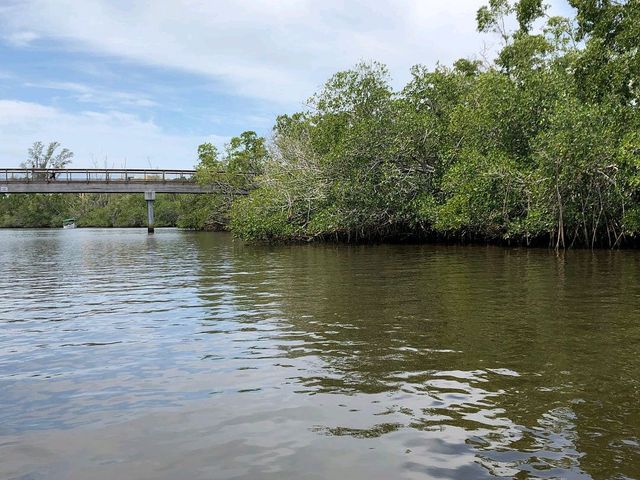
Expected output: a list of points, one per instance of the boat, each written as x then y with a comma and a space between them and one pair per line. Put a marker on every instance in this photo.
69, 223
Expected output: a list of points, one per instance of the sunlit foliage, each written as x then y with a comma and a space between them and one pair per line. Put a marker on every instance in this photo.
541, 146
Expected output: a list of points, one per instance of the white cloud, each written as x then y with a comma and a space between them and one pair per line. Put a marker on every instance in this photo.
87, 94
68, 86
99, 138
276, 50
15, 113
21, 38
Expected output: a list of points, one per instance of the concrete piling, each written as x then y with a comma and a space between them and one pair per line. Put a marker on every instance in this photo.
150, 198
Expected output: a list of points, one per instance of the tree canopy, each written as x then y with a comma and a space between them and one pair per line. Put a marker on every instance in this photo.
541, 146
39, 157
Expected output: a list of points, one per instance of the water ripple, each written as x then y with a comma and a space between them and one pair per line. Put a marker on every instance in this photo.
185, 355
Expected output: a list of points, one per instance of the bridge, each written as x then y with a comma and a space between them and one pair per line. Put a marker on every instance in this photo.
94, 180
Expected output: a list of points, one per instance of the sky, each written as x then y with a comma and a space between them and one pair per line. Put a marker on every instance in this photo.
141, 83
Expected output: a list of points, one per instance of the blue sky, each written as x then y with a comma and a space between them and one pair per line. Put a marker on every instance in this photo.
143, 83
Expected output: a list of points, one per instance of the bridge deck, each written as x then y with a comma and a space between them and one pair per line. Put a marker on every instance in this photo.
93, 180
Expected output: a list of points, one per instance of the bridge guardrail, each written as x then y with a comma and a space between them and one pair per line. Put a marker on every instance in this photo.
94, 175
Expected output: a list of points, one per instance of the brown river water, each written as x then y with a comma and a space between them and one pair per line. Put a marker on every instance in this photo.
194, 356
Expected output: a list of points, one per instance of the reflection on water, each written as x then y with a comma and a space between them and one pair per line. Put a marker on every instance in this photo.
186, 355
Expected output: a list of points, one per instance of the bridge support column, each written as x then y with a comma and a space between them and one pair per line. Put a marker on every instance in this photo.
150, 198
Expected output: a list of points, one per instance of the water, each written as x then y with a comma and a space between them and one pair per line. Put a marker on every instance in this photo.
190, 355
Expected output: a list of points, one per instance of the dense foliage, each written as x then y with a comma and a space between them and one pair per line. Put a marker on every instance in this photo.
91, 210
542, 146
234, 173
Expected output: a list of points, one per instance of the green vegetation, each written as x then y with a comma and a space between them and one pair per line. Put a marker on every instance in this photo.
38, 157
235, 171
541, 147
92, 210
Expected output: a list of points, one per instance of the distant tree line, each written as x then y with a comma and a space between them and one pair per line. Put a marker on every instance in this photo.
94, 210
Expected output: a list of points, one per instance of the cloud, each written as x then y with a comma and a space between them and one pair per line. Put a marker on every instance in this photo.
14, 113
279, 51
21, 38
97, 138
90, 94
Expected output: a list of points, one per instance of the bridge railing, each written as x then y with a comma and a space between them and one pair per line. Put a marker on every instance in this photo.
94, 175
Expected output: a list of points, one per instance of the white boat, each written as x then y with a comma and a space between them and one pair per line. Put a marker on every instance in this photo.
69, 223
